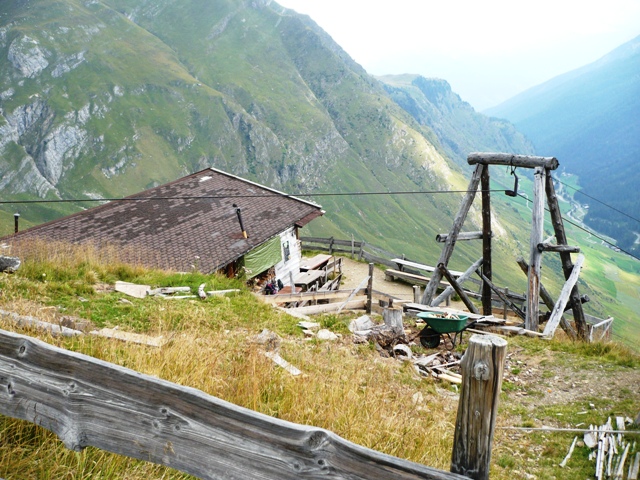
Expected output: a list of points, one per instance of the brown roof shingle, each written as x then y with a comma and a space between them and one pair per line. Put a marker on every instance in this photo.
192, 217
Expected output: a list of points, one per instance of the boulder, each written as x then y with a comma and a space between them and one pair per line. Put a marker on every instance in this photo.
9, 264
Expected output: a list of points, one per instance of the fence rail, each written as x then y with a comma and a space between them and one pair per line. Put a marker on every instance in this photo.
89, 402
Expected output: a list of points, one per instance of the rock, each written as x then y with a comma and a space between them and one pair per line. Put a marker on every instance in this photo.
418, 398
9, 264
361, 323
268, 339
325, 334
27, 57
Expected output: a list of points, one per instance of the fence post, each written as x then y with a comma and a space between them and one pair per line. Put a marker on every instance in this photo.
482, 367
331, 246
361, 250
370, 288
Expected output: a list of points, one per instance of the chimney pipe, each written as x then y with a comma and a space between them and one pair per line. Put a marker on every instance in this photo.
239, 213
16, 219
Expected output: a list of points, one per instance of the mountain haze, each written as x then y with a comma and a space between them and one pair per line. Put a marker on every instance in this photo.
590, 120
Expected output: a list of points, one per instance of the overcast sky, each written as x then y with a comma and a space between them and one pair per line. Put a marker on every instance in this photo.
488, 50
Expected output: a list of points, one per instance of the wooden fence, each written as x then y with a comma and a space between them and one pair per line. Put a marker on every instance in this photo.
89, 402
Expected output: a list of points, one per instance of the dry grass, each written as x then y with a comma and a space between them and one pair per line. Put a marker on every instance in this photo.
345, 388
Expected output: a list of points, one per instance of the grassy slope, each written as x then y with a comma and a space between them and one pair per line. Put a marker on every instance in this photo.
347, 388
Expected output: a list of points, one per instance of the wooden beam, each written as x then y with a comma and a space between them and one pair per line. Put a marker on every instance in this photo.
525, 161
461, 279
487, 268
450, 243
565, 258
462, 236
305, 296
482, 370
549, 301
548, 247
360, 287
502, 296
554, 320
370, 289
535, 261
463, 296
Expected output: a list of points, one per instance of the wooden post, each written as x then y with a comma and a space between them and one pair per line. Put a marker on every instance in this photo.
548, 301
331, 246
482, 367
565, 257
416, 293
447, 250
486, 241
533, 297
393, 319
461, 279
361, 250
353, 248
452, 281
370, 288
556, 314
504, 312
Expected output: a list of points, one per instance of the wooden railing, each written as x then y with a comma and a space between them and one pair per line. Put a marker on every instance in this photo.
89, 402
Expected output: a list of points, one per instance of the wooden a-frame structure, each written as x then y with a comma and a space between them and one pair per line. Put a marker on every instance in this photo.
543, 183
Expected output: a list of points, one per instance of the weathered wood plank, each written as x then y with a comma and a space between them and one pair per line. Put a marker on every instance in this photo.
525, 161
89, 402
447, 250
558, 309
548, 300
27, 321
565, 257
550, 247
482, 368
463, 296
304, 296
502, 296
532, 320
462, 236
461, 279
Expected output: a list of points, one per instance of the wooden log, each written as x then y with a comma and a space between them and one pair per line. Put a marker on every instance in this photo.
461, 279
482, 369
487, 269
535, 260
565, 258
89, 402
393, 319
452, 281
524, 161
416, 293
27, 321
558, 309
549, 247
502, 297
450, 243
370, 289
462, 236
549, 301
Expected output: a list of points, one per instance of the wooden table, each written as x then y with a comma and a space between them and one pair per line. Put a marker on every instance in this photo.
314, 263
309, 278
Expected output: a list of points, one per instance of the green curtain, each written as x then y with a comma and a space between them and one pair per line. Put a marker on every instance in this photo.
263, 257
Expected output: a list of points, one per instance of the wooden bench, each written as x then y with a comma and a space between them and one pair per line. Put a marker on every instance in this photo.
314, 263
401, 262
391, 274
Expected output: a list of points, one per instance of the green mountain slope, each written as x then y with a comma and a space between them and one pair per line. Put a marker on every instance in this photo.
459, 128
590, 120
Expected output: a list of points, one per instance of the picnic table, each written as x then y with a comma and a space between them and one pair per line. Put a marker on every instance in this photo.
307, 279
314, 263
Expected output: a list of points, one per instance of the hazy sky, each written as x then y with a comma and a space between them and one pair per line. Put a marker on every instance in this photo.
488, 50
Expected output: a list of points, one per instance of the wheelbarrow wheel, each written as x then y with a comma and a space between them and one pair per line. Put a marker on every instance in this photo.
429, 338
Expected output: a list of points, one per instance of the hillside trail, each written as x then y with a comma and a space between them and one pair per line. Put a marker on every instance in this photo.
544, 378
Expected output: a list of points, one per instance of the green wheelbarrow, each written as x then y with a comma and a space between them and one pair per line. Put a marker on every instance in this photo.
441, 325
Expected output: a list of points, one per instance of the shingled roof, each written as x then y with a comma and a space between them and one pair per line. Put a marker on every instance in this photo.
189, 221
